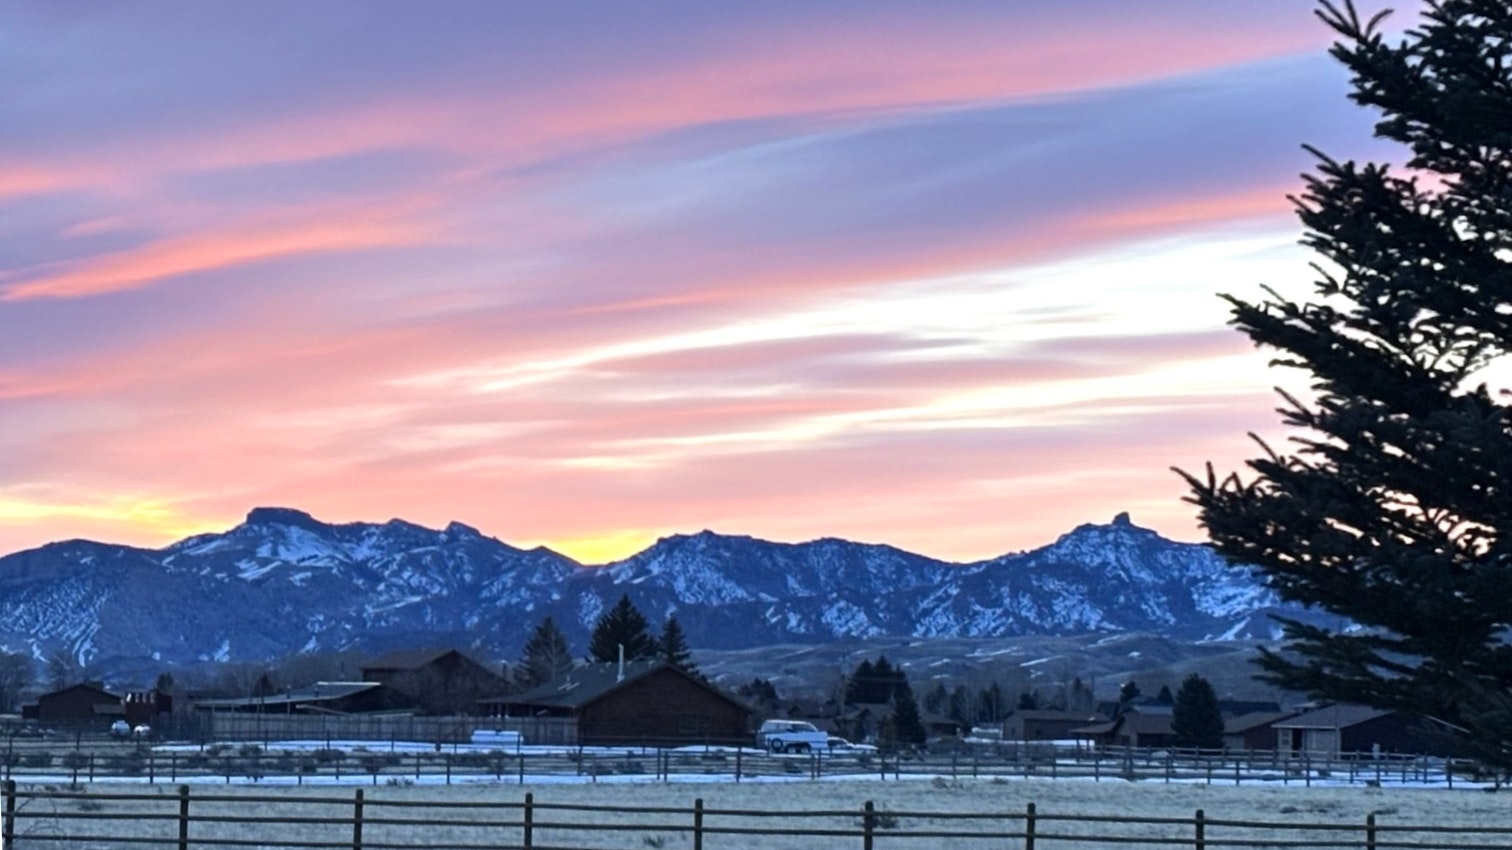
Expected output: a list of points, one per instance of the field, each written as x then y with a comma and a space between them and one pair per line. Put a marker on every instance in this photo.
664, 814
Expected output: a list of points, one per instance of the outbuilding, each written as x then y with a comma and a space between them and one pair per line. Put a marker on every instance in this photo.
650, 703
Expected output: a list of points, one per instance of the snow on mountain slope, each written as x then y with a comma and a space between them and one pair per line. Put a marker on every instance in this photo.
284, 582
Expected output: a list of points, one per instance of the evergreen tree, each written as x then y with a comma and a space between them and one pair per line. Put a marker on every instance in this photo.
1196, 719
856, 687
992, 706
1393, 506
623, 625
960, 705
1165, 697
545, 658
1029, 701
673, 646
264, 686
1128, 692
907, 725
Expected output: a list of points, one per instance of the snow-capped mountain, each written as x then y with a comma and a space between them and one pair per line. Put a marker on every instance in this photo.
283, 582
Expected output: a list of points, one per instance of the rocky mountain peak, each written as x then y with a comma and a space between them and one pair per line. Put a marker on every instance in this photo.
285, 582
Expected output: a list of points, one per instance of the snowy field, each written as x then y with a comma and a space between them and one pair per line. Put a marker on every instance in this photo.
927, 804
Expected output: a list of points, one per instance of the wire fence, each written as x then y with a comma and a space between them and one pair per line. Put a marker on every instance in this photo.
377, 762
183, 818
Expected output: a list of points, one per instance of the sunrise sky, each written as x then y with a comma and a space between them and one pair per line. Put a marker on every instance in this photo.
940, 275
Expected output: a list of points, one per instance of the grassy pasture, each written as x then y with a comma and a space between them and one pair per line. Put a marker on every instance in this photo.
433, 816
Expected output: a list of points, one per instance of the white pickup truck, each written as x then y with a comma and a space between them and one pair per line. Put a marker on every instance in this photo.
791, 736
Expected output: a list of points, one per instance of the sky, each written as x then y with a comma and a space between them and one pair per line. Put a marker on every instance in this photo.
938, 275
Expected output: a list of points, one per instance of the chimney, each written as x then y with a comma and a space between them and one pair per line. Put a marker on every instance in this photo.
621, 676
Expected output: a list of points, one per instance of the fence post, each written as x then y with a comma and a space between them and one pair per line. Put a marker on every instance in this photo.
1449, 772
357, 821
698, 823
1370, 832
173, 767
183, 819
738, 751
1029, 827
1201, 827
868, 824
527, 823
8, 814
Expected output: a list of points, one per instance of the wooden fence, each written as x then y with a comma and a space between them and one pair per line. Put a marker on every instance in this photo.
382, 761
32, 819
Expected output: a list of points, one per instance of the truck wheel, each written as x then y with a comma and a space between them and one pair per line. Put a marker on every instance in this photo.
800, 748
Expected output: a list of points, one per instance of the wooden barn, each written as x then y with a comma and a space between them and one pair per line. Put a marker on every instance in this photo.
437, 681
83, 705
643, 702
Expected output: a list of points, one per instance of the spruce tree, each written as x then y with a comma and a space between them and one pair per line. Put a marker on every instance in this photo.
1393, 505
545, 658
623, 625
857, 687
672, 646
908, 726
1196, 720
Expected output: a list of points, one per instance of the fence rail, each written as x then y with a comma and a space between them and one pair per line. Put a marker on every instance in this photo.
395, 761
35, 818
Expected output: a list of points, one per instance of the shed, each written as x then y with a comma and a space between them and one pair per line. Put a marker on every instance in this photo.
636, 703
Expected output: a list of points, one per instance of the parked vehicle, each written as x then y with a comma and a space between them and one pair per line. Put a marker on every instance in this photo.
840, 745
120, 729
791, 736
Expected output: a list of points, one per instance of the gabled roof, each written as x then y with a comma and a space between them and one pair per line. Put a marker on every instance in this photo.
1339, 716
407, 659
87, 687
316, 693
1254, 720
1056, 715
591, 682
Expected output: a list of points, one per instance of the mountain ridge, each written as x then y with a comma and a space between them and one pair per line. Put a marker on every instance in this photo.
283, 582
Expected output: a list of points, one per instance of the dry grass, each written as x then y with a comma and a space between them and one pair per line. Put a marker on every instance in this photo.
909, 805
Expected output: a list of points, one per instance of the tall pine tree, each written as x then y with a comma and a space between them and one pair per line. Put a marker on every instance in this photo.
1196, 719
545, 658
623, 625
1393, 505
672, 646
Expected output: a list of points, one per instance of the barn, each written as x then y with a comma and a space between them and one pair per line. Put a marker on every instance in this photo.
438, 681
85, 704
651, 703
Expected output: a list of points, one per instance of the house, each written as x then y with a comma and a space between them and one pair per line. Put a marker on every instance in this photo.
642, 702
1046, 725
1139, 726
319, 698
86, 704
1253, 731
1342, 730
438, 681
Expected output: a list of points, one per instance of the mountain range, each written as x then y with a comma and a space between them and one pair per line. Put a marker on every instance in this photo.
284, 582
